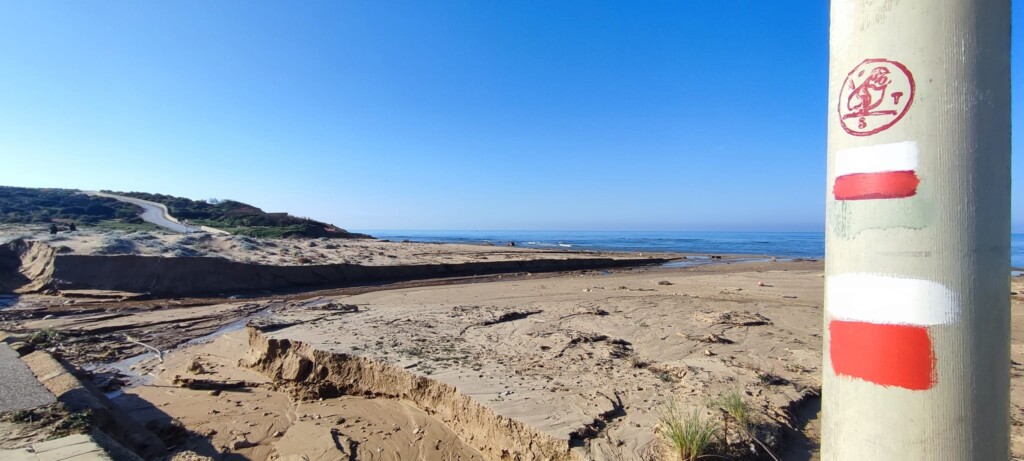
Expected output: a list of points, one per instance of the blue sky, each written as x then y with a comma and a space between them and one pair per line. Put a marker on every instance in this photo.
432, 115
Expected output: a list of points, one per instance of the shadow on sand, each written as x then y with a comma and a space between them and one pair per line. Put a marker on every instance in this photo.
175, 435
802, 443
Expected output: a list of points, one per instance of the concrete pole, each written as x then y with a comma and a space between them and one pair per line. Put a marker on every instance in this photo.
917, 315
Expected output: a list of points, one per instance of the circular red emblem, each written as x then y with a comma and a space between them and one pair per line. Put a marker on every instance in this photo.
875, 95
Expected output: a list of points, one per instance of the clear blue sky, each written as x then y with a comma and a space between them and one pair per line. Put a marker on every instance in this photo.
432, 115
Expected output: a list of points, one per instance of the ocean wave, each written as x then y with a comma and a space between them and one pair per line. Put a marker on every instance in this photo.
545, 244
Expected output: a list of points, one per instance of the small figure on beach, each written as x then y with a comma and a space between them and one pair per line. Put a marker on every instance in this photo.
72, 227
53, 229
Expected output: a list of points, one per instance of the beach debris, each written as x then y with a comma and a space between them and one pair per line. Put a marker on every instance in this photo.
209, 384
712, 338
270, 324
771, 379
333, 306
195, 367
510, 317
733, 318
620, 349
623, 287
586, 310
159, 353
639, 363
664, 282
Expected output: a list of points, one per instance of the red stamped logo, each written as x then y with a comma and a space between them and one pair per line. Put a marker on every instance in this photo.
876, 94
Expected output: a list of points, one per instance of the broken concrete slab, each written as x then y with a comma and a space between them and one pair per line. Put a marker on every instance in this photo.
77, 395
79, 447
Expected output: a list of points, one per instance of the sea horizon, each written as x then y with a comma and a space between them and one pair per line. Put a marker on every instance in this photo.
794, 244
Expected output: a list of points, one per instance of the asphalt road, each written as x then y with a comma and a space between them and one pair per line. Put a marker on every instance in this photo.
152, 212
19, 388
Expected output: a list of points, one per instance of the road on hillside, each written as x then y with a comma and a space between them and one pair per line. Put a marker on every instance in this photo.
152, 212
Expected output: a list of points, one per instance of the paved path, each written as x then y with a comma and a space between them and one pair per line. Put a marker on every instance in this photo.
152, 212
155, 213
71, 448
19, 388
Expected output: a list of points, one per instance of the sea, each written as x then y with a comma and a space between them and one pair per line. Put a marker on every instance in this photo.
808, 245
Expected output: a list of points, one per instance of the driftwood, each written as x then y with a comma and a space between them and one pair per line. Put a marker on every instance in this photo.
211, 385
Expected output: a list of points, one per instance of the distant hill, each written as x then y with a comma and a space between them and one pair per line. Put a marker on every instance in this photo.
27, 205
22, 205
243, 219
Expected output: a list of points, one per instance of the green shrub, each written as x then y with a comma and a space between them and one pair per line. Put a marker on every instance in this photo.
27, 205
45, 337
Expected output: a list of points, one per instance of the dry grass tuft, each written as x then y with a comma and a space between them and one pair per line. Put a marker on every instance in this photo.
733, 405
690, 435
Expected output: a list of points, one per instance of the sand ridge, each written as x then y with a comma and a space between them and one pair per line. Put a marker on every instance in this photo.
282, 252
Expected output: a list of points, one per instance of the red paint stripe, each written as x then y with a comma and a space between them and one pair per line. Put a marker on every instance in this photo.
866, 186
889, 355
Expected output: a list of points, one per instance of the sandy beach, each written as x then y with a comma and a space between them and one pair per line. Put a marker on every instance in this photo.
564, 365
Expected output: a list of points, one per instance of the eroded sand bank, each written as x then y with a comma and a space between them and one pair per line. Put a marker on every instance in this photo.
578, 366
164, 265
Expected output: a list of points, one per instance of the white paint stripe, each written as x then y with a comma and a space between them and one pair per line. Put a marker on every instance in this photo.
890, 300
900, 156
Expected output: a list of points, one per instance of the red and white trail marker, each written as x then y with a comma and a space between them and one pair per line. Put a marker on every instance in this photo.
884, 171
879, 327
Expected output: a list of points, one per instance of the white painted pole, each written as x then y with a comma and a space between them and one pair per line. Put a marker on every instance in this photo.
917, 319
